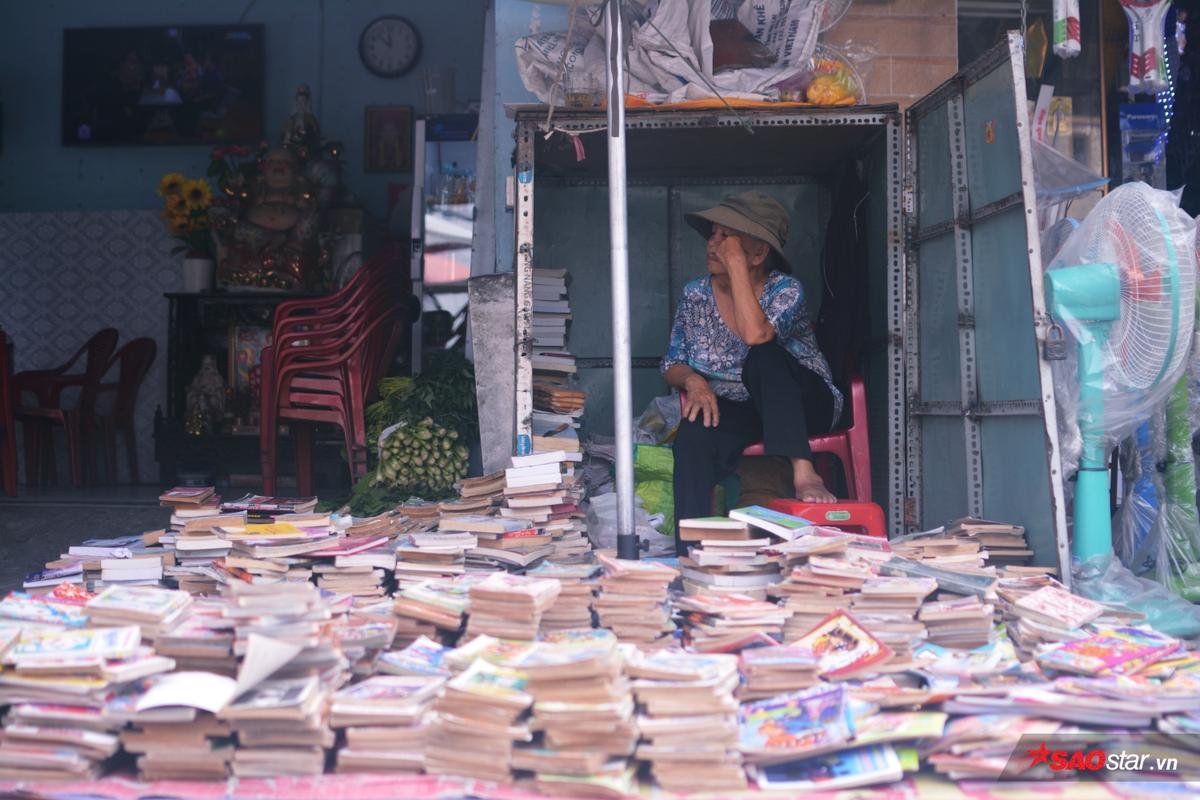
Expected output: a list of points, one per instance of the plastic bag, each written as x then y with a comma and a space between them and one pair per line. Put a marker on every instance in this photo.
670, 50
602, 521
1178, 529
1147, 59
658, 422
829, 79
1135, 359
653, 481
1137, 517
1104, 579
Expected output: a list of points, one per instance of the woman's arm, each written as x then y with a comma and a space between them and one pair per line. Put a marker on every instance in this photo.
701, 401
750, 323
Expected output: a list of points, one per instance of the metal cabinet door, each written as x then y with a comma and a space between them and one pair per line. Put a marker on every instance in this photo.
982, 433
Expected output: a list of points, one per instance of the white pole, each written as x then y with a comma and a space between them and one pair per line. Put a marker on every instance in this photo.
627, 543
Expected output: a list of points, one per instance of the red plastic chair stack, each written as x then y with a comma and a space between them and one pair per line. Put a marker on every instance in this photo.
8, 432
325, 359
47, 386
851, 445
131, 364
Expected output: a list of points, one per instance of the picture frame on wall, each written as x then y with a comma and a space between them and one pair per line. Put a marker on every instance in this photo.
387, 139
246, 343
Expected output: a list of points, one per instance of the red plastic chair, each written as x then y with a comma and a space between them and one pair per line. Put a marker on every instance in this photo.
384, 267
47, 386
855, 517
8, 427
330, 382
851, 445
132, 363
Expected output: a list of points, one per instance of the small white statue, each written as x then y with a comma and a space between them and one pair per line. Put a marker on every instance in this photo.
206, 392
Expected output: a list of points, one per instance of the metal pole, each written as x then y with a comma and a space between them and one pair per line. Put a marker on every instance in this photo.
627, 543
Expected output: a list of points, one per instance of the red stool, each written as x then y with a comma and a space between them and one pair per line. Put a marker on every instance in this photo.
848, 515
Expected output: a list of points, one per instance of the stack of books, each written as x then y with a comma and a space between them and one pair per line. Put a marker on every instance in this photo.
979, 746
57, 681
196, 545
1005, 543
573, 608
364, 635
500, 543
699, 530
384, 722
1046, 615
203, 640
360, 565
632, 600
176, 743
156, 610
888, 607
433, 608
768, 671
476, 495
202, 500
422, 556
844, 647
960, 622
729, 566
281, 727
264, 508
582, 705
688, 720
510, 606
478, 717
551, 309
553, 430
728, 623
553, 365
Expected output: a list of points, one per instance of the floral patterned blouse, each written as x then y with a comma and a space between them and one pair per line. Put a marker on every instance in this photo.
702, 340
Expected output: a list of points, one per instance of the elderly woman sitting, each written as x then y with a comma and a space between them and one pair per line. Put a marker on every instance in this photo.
743, 349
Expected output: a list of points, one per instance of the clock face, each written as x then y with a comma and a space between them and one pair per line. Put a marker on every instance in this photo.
389, 46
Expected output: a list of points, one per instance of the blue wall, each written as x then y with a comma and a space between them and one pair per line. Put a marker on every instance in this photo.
307, 41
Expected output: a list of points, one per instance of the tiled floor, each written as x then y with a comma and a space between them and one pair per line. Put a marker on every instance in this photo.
41, 523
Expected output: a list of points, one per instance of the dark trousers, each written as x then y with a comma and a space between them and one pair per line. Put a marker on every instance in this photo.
787, 403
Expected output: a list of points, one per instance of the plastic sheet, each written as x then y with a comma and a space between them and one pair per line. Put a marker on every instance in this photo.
658, 422
1130, 312
1138, 515
1104, 579
671, 51
1178, 529
602, 522
831, 78
653, 482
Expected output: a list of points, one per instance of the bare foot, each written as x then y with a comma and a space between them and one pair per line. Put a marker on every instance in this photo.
808, 484
814, 491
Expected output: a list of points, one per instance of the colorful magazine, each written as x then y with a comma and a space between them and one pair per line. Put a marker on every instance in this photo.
391, 690
811, 720
24, 607
862, 766
492, 683
843, 645
423, 657
1058, 606
94, 643
783, 657
140, 601
1111, 651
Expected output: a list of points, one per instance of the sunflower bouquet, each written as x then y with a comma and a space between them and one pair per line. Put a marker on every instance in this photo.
185, 210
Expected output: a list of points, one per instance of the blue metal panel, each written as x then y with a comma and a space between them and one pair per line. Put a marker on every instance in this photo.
1016, 486
933, 178
1004, 334
943, 465
939, 362
572, 233
993, 152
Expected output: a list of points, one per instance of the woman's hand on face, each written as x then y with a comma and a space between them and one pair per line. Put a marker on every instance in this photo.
731, 254
701, 402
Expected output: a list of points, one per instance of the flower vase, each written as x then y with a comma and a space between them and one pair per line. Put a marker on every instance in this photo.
197, 274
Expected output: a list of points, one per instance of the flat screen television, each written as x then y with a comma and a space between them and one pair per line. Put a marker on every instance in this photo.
178, 84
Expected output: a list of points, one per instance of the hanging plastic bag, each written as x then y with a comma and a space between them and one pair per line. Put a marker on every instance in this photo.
1137, 517
829, 79
1067, 40
1147, 61
658, 422
654, 482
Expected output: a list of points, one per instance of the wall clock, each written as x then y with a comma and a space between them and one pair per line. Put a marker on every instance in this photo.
389, 46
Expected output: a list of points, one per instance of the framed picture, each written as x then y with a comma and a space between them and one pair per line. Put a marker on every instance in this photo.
170, 84
387, 139
246, 343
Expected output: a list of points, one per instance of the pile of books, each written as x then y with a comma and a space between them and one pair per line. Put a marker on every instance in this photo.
502, 544
632, 600
478, 717
441, 554
573, 608
582, 707
510, 606
961, 622
434, 609
888, 607
729, 623
728, 565
553, 363
688, 720
476, 495
281, 727
772, 670
155, 610
383, 719
47, 671
175, 743
201, 499
1040, 611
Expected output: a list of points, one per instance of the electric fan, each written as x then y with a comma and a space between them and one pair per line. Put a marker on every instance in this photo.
832, 13
1124, 287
